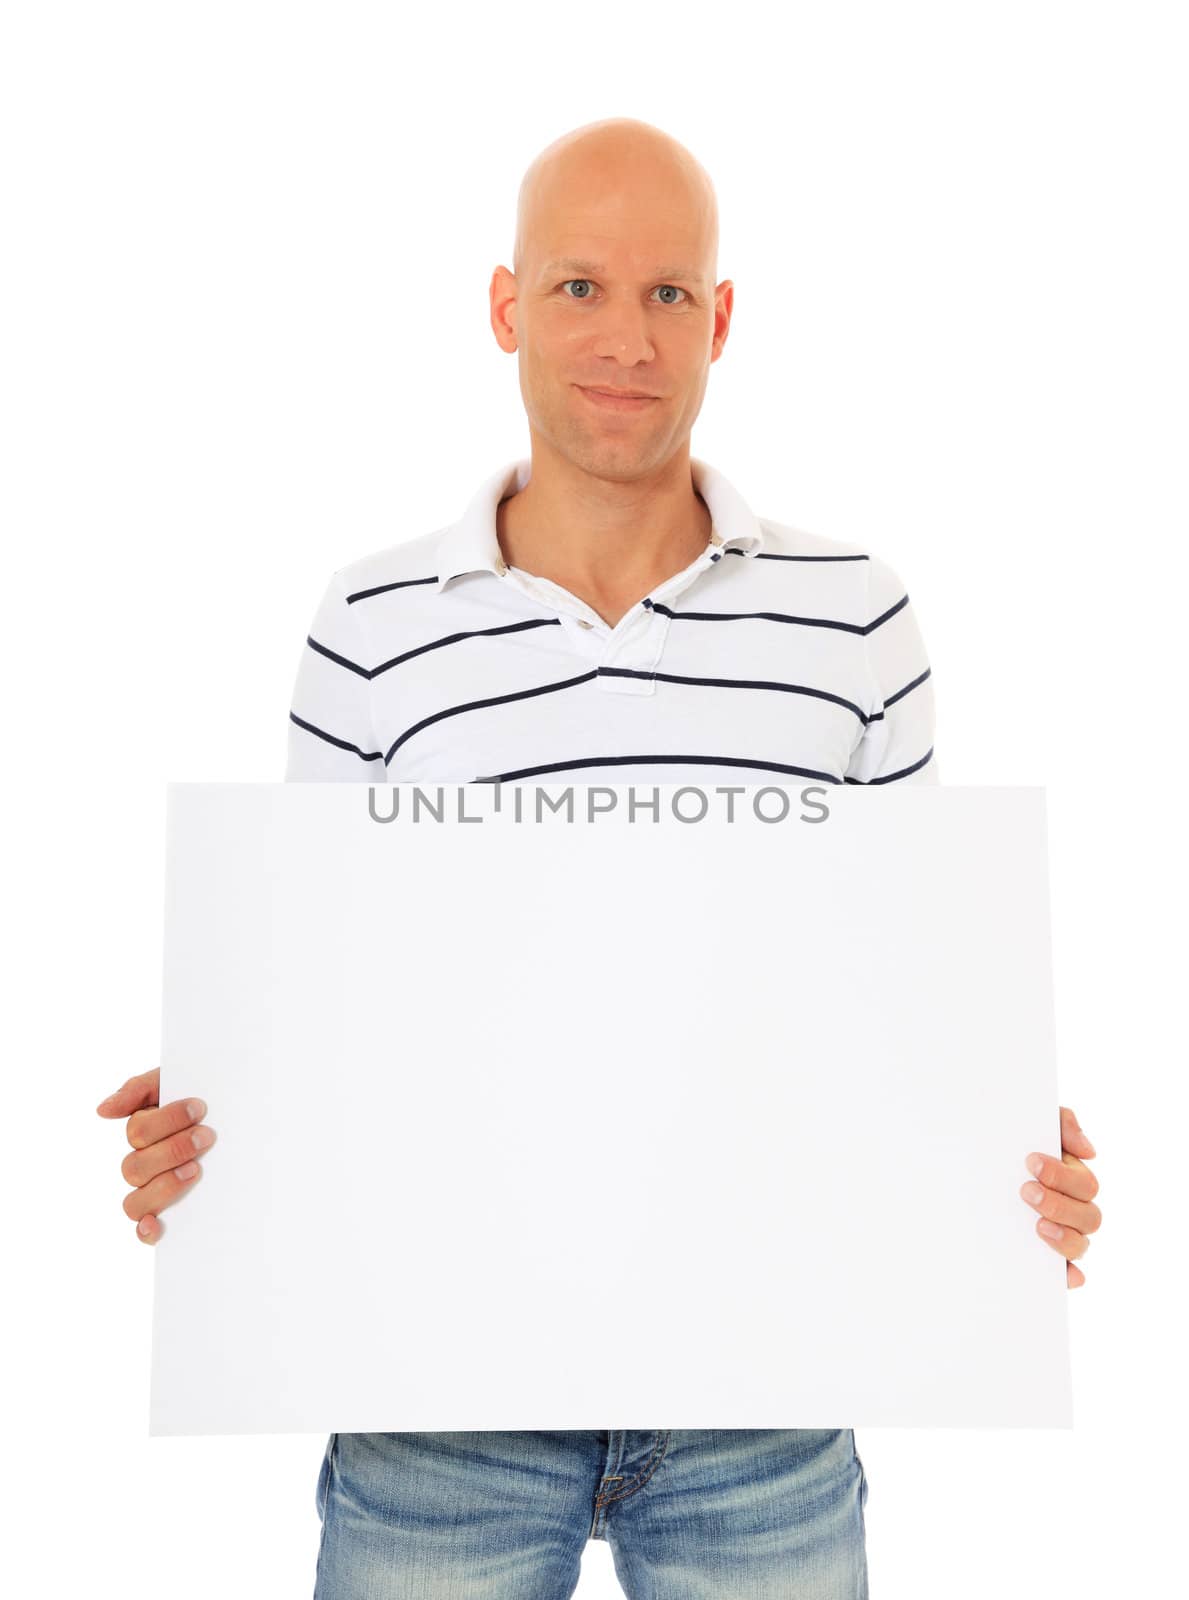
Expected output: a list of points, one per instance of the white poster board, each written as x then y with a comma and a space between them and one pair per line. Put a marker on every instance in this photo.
710, 1108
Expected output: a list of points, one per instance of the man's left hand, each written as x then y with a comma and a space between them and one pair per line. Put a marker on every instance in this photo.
1062, 1192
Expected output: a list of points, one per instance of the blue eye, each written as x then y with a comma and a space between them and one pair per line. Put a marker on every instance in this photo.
672, 286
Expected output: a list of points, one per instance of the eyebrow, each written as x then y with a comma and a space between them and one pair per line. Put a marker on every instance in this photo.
662, 274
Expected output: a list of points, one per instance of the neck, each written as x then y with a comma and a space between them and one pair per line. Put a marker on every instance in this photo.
603, 535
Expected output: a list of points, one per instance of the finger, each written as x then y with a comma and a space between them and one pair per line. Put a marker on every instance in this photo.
1076, 1142
1074, 1276
187, 1140
150, 1127
161, 1191
142, 1090
1067, 1242
148, 1229
1068, 1175
1062, 1209
1072, 1137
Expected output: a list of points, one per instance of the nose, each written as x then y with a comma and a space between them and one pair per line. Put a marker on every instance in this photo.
623, 336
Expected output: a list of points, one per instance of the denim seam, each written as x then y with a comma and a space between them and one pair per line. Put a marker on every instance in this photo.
334, 1444
642, 1477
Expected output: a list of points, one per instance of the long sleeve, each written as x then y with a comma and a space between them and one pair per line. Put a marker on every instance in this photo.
897, 743
331, 737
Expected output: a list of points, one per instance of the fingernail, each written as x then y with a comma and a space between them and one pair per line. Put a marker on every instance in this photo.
105, 1102
1035, 1165
196, 1110
144, 1227
1050, 1229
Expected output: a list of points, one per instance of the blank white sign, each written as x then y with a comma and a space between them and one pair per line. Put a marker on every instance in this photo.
713, 1114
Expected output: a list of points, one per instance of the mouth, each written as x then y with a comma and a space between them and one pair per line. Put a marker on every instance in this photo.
618, 399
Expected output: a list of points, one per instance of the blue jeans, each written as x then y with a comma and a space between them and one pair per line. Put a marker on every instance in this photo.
731, 1514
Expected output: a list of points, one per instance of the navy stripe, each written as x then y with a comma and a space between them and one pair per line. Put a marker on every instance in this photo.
617, 672
585, 677
778, 616
878, 716
884, 615
469, 633
342, 744
333, 655
383, 588
890, 777
496, 700
434, 644
900, 693
739, 683
620, 761
772, 555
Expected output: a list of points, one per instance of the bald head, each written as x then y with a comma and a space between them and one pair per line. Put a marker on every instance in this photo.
621, 174
613, 285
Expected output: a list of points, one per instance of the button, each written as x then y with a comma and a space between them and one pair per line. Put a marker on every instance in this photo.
501, 566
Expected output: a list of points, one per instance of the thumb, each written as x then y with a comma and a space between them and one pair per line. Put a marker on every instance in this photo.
138, 1092
1086, 1144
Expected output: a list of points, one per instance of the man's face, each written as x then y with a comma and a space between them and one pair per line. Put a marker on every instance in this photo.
608, 300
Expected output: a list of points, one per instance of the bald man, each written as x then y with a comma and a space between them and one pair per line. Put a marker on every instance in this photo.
578, 559
610, 510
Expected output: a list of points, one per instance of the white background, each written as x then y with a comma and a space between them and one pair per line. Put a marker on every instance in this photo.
245, 340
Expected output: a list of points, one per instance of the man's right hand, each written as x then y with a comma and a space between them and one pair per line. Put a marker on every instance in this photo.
164, 1140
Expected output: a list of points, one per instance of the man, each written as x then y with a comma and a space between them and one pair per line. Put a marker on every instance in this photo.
608, 611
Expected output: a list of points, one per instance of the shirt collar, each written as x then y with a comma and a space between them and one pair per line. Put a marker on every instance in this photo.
471, 543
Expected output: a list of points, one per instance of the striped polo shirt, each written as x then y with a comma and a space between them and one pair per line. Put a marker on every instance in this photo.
776, 656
